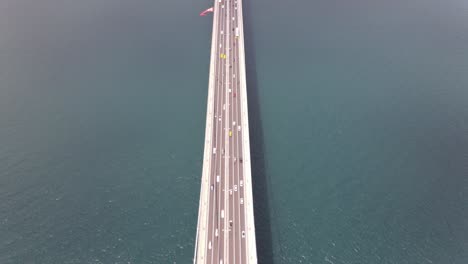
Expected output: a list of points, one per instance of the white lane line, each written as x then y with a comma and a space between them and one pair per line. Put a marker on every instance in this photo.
223, 132
226, 142
222, 99
216, 208
215, 187
226, 183
238, 119
231, 99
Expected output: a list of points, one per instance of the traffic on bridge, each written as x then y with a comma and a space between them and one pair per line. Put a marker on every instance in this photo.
225, 231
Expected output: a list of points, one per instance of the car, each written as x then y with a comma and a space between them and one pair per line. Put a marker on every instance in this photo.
230, 133
209, 245
230, 222
234, 123
217, 178
238, 128
241, 200
240, 160
211, 187
234, 94
223, 151
222, 213
243, 234
214, 150
241, 183
216, 232
235, 188
230, 192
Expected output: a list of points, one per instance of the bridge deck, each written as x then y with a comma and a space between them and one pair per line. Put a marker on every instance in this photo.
226, 231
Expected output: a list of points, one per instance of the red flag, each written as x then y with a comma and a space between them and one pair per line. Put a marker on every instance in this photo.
206, 11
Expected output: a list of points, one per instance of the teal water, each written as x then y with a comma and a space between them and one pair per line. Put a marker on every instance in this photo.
359, 129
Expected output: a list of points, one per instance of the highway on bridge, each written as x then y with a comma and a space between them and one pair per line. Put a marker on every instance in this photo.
228, 203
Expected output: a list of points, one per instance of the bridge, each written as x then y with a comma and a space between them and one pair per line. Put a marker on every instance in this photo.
225, 229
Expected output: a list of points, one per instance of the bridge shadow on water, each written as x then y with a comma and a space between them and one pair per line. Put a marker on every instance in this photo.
259, 177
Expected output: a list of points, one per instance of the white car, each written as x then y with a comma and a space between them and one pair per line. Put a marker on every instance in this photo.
241, 183
235, 188
242, 200
238, 128
211, 187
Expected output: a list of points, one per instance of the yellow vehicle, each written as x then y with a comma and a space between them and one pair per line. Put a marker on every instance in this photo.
230, 133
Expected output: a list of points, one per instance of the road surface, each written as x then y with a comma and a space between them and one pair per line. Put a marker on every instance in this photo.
225, 232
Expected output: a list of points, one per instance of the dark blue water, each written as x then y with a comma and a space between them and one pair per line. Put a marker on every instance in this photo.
359, 129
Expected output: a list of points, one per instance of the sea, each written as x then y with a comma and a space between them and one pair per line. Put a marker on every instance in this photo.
358, 125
